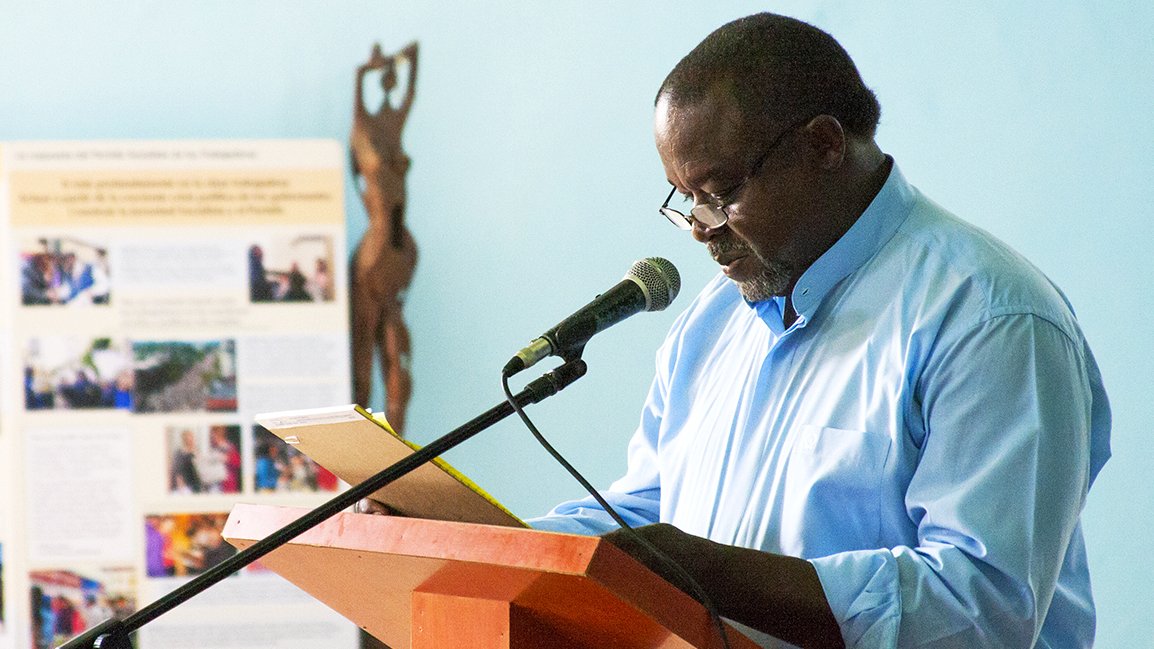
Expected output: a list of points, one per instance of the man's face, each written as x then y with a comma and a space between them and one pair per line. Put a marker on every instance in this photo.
705, 150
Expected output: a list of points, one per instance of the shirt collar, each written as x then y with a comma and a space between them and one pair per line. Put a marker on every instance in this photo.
876, 225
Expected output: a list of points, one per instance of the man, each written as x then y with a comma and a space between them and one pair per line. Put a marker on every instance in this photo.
878, 425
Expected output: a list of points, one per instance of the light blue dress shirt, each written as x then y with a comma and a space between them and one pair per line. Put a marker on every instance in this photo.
925, 434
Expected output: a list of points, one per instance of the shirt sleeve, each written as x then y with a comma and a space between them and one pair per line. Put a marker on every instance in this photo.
1003, 475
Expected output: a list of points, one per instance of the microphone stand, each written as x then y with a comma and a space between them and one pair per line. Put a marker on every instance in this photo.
113, 634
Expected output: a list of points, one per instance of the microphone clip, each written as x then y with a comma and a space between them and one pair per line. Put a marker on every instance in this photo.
537, 350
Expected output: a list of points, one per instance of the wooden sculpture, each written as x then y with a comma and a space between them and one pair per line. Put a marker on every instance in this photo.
386, 256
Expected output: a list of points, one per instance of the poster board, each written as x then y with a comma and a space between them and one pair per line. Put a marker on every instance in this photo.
158, 294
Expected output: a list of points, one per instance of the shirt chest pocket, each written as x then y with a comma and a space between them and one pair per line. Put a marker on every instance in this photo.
832, 489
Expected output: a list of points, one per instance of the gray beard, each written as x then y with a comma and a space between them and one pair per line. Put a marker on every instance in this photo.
772, 280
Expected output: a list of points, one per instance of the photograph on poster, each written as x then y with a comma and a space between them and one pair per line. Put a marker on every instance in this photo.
180, 545
291, 269
204, 459
65, 603
182, 376
70, 372
64, 271
280, 467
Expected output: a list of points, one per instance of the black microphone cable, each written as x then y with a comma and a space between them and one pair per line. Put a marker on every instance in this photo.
698, 591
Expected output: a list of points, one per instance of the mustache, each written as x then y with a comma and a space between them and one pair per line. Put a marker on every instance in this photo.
726, 245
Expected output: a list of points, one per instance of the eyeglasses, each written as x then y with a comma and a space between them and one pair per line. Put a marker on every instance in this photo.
714, 213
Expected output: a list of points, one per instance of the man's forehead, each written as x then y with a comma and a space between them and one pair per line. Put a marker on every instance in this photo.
701, 138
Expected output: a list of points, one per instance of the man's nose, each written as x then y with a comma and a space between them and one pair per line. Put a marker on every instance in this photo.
704, 233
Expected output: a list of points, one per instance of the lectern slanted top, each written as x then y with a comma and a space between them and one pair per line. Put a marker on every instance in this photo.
425, 584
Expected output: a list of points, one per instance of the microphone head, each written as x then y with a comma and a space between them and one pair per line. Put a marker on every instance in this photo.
658, 279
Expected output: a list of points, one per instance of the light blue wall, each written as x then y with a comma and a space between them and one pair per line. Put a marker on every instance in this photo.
535, 183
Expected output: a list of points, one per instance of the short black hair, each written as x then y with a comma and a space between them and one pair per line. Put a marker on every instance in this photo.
778, 68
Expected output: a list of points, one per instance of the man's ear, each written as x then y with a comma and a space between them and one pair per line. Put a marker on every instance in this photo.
825, 140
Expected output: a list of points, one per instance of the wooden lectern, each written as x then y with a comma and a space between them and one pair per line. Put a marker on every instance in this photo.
428, 584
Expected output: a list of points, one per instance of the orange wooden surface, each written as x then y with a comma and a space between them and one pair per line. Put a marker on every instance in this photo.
453, 621
549, 590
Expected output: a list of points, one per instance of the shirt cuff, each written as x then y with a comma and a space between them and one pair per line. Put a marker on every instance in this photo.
863, 591
585, 525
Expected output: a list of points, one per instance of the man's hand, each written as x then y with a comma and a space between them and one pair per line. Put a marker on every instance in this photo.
374, 507
685, 550
779, 595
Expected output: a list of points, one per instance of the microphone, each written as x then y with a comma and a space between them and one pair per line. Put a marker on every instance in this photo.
650, 285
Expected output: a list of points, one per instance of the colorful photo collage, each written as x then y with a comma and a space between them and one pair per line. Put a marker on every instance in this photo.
209, 459
184, 545
65, 603
64, 271
296, 269
57, 271
71, 372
